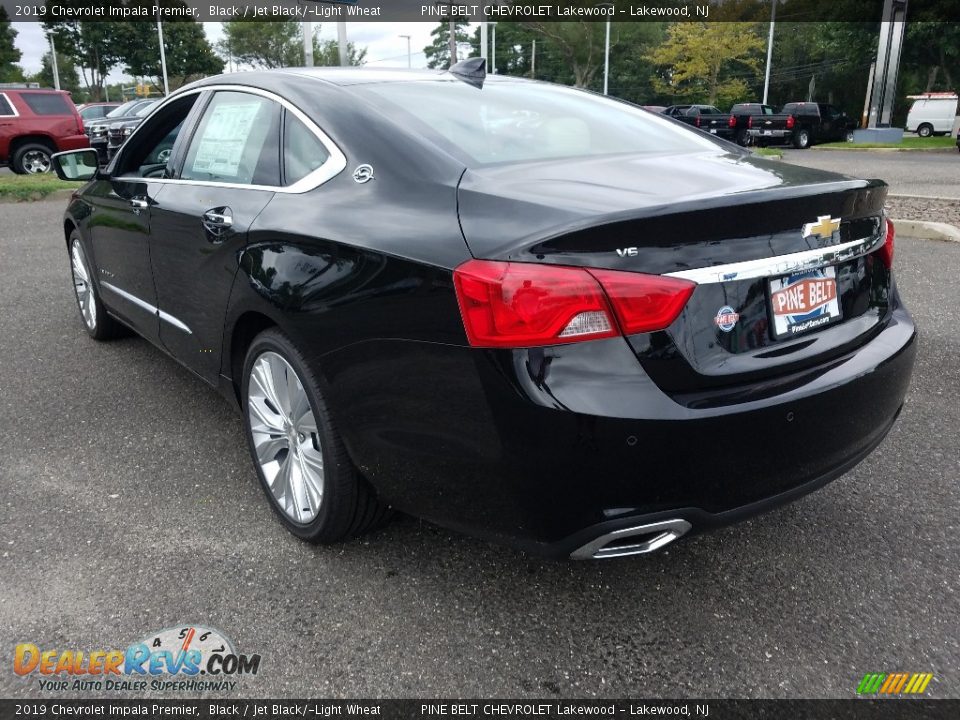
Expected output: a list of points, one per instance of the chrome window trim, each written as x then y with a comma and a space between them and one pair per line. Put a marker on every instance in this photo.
783, 264
16, 113
333, 166
152, 309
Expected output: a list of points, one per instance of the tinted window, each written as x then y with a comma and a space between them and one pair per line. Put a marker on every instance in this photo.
126, 109
144, 109
48, 103
5, 108
302, 150
94, 112
237, 141
514, 121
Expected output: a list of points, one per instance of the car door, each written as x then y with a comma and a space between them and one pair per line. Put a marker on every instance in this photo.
119, 222
228, 173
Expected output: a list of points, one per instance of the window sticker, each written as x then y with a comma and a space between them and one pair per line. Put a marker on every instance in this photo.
220, 150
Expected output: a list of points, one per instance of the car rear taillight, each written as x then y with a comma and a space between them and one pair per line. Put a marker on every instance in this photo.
515, 305
885, 253
696, 121
732, 122
750, 121
790, 122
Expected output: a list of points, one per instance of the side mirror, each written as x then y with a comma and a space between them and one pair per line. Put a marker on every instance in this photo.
79, 165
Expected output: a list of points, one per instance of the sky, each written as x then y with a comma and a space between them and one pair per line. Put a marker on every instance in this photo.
385, 47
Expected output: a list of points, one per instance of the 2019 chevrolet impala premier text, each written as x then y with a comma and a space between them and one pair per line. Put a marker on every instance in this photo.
519, 310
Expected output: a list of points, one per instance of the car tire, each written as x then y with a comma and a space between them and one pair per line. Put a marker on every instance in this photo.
848, 136
297, 452
925, 130
98, 324
32, 159
744, 139
801, 140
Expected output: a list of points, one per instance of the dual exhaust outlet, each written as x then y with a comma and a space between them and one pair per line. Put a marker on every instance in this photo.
632, 540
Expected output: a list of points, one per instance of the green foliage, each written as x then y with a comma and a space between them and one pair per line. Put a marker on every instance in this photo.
188, 54
279, 43
712, 61
9, 54
24, 188
91, 45
69, 79
438, 51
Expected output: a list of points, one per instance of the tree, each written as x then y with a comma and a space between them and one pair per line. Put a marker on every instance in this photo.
69, 79
92, 47
187, 52
279, 43
9, 54
580, 44
710, 61
438, 51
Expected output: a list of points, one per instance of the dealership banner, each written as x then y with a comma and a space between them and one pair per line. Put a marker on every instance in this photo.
435, 10
502, 708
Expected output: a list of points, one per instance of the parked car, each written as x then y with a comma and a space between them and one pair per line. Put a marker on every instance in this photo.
95, 110
740, 119
34, 124
98, 131
803, 124
706, 117
932, 114
586, 335
654, 108
118, 132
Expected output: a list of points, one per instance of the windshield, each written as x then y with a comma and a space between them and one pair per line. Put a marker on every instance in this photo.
515, 121
145, 110
123, 109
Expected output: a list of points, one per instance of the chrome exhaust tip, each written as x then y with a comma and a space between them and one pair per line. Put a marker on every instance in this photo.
632, 540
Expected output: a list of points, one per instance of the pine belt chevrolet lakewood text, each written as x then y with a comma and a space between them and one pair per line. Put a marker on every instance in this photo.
516, 309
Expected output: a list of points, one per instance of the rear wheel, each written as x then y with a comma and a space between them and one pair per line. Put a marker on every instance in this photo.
801, 140
298, 454
98, 324
32, 159
849, 136
743, 138
925, 130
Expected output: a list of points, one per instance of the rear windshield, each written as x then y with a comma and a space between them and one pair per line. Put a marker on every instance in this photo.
517, 121
47, 103
124, 109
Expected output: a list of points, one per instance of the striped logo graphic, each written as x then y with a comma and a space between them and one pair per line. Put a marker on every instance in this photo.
894, 683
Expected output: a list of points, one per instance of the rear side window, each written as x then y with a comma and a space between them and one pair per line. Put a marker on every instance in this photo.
5, 108
302, 150
236, 142
47, 103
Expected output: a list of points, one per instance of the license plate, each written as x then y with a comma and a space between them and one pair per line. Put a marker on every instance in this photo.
766, 132
804, 301
713, 131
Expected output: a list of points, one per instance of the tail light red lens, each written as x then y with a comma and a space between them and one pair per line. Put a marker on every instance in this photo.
696, 121
750, 121
790, 122
886, 250
515, 305
732, 122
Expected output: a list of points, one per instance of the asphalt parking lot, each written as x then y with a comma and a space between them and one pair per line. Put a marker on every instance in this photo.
128, 504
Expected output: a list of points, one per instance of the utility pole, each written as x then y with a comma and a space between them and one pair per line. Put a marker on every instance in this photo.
307, 43
606, 60
483, 39
163, 55
452, 41
408, 50
342, 42
493, 49
53, 63
766, 76
533, 61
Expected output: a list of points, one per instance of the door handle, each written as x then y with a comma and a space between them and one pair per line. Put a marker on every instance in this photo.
138, 204
217, 222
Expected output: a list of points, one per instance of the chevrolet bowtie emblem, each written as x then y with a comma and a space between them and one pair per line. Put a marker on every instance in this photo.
824, 227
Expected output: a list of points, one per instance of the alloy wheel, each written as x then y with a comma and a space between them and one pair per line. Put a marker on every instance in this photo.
285, 437
36, 162
81, 285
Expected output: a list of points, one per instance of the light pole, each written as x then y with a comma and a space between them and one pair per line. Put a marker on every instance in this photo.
53, 63
307, 43
493, 49
483, 39
342, 41
606, 49
408, 49
163, 55
766, 76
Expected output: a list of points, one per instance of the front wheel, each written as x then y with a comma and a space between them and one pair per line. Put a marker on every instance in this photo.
300, 459
925, 130
801, 140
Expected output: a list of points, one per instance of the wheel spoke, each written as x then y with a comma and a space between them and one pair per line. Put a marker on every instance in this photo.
268, 446
269, 421
263, 378
280, 382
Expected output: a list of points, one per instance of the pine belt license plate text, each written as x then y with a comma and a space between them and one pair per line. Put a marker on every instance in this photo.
804, 301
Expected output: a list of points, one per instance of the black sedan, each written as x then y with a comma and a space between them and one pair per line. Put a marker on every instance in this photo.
512, 308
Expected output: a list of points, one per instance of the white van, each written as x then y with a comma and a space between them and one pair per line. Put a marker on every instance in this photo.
932, 114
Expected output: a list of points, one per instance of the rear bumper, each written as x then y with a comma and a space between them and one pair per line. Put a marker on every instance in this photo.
73, 142
547, 449
770, 133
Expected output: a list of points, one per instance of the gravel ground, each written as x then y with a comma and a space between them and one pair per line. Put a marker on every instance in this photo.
128, 504
909, 208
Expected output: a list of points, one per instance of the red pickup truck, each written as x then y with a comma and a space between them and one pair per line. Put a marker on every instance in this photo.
35, 124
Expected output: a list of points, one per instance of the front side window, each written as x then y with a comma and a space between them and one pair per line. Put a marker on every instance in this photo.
47, 103
236, 141
302, 150
516, 121
148, 152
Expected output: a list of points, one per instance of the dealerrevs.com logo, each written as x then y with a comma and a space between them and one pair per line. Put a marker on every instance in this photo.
190, 658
